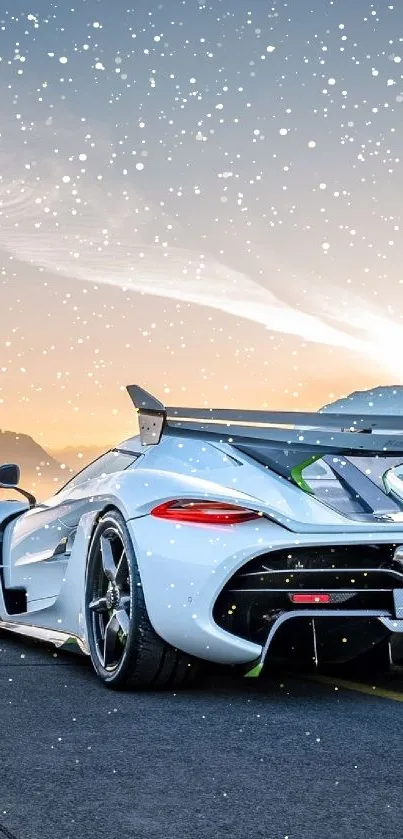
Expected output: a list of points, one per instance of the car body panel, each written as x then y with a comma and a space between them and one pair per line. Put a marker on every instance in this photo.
11, 508
63, 613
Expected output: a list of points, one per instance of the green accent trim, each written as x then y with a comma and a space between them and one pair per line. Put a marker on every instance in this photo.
296, 473
70, 643
255, 672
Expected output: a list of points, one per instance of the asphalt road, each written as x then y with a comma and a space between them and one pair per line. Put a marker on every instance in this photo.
279, 759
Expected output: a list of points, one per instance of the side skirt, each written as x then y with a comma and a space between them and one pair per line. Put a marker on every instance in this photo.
60, 640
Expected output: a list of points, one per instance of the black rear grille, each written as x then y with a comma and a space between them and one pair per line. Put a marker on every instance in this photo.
332, 556
356, 577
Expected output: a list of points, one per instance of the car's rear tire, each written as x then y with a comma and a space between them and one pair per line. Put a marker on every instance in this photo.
125, 650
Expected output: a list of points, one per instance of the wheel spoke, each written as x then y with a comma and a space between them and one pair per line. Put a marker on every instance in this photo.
109, 600
110, 640
123, 620
98, 605
125, 601
108, 562
121, 571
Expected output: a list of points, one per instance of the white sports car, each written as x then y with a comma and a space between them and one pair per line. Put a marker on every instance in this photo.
233, 537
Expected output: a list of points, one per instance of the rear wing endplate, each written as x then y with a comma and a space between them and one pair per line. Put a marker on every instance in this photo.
152, 415
311, 433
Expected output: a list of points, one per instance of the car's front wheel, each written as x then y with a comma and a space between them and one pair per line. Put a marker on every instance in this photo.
125, 650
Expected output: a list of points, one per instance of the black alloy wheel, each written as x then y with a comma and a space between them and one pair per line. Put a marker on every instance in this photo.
125, 650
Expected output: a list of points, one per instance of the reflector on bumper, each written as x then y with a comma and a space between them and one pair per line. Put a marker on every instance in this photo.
310, 598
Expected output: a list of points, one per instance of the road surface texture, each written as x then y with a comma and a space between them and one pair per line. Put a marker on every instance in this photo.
284, 758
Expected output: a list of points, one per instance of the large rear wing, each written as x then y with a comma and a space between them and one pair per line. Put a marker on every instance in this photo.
312, 434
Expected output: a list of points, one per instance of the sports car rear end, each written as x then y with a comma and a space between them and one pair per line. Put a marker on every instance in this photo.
311, 569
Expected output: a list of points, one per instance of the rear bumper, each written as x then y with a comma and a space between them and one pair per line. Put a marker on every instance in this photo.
330, 603
186, 569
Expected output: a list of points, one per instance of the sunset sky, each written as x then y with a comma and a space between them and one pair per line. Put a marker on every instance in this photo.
201, 198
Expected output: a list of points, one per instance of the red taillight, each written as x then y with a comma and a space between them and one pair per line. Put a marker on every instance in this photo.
310, 598
203, 512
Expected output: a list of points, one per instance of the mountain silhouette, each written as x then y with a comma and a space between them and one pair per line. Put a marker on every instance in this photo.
387, 399
38, 468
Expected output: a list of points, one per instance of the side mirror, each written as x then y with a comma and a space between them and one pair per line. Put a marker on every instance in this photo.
10, 478
9, 475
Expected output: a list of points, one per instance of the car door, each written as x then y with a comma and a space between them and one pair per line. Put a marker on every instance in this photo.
37, 545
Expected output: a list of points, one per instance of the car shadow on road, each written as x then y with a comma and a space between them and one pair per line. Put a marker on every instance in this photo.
275, 681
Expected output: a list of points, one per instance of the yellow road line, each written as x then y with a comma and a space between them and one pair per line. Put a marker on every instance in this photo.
360, 687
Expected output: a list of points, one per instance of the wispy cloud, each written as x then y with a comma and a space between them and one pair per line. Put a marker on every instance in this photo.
59, 214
